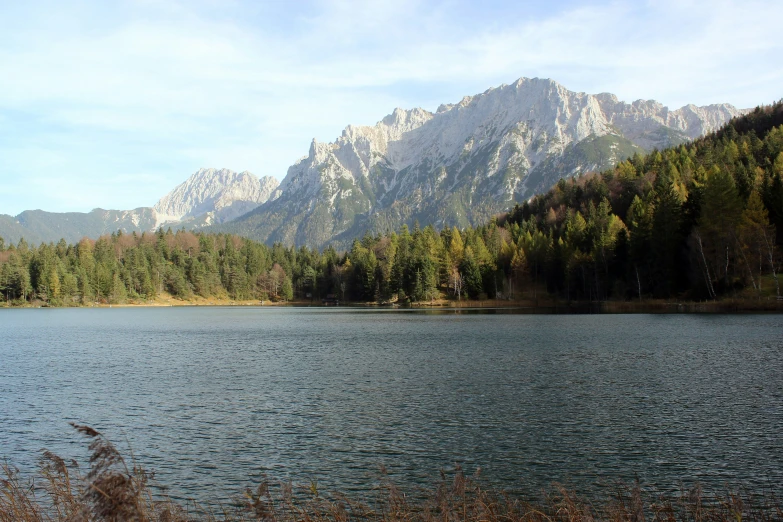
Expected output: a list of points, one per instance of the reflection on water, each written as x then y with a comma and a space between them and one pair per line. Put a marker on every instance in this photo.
212, 398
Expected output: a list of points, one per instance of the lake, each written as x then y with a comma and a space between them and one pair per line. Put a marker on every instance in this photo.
212, 399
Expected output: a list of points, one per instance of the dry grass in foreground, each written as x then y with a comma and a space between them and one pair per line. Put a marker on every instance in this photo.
112, 491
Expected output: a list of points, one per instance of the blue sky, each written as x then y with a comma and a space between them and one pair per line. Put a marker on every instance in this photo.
112, 104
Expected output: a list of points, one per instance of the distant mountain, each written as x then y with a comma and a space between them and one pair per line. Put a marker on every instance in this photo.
38, 226
209, 196
215, 196
463, 163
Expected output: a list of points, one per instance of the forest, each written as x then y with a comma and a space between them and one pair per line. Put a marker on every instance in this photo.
699, 221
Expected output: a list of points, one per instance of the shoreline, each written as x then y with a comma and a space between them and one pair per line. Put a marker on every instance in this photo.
542, 306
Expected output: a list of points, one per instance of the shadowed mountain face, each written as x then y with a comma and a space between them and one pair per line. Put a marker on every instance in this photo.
209, 196
463, 163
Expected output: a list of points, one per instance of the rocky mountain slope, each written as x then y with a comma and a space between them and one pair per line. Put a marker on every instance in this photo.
215, 195
463, 163
208, 196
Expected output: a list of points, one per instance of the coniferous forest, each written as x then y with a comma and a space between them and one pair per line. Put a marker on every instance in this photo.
700, 221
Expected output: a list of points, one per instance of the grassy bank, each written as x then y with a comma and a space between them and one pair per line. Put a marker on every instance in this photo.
541, 305
114, 490
162, 300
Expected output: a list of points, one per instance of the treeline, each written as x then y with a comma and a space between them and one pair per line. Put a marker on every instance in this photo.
698, 221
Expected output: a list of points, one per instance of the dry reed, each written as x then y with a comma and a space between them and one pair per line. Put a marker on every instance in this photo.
112, 491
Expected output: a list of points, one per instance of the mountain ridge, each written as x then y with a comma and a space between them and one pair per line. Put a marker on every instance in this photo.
464, 162
457, 166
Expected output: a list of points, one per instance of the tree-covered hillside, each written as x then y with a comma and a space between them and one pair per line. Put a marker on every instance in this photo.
701, 220
697, 221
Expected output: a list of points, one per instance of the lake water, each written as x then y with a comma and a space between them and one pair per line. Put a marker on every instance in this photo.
214, 398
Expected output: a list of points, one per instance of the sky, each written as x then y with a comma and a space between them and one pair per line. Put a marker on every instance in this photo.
113, 104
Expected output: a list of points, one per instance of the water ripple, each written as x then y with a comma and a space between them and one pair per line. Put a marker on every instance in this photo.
212, 399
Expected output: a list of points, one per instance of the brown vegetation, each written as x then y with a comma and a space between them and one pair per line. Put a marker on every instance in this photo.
113, 491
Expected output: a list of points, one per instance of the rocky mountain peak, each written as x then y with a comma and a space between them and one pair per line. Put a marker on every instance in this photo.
466, 161
219, 191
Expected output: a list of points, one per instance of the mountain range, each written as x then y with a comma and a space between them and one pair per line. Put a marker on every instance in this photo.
208, 197
458, 166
